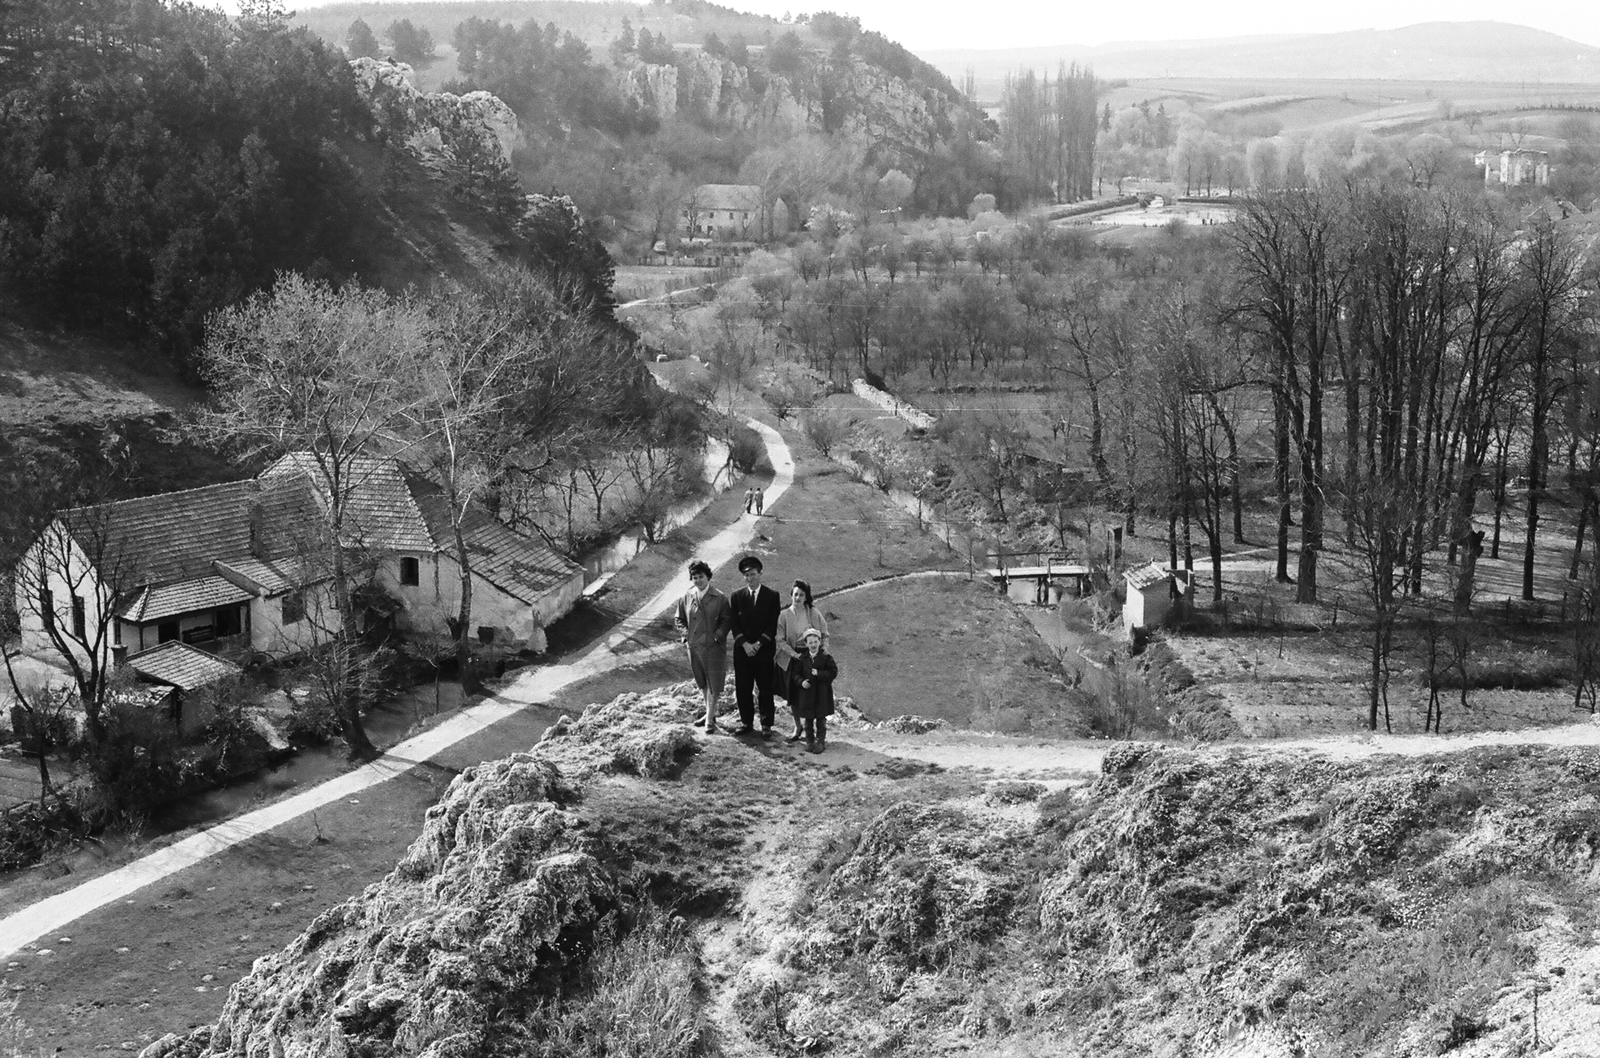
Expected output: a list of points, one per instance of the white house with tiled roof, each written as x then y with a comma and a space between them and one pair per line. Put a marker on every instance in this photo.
736, 210
519, 583
165, 569
230, 570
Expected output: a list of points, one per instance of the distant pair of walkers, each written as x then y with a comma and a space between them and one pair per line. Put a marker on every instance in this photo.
774, 650
755, 500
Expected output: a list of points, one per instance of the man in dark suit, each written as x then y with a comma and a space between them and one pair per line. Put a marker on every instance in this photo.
703, 619
755, 629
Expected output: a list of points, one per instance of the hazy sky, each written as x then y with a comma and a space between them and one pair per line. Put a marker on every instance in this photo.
929, 24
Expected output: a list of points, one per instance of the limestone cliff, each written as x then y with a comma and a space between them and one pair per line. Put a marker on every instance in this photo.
847, 94
440, 128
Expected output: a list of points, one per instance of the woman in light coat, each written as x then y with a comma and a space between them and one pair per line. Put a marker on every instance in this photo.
792, 625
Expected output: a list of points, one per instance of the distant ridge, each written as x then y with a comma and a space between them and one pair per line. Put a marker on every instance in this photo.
1430, 51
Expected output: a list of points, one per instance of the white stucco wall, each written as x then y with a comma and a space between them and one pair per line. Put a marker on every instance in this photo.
61, 565
269, 634
430, 604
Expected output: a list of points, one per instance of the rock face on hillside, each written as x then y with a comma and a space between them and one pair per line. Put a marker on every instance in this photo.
652, 87
860, 98
440, 128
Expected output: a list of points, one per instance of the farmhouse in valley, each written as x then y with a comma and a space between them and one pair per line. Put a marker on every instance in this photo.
1514, 168
731, 210
235, 570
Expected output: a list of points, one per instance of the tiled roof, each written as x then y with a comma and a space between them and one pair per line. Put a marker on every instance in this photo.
260, 578
519, 565
1145, 576
728, 196
170, 600
379, 512
182, 666
176, 536
165, 538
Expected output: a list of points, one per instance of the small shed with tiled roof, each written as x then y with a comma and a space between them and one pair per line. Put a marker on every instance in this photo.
185, 670
1151, 591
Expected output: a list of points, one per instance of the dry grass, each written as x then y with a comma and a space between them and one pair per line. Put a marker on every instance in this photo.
950, 649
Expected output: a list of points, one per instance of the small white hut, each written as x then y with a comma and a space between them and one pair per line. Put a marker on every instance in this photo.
1151, 595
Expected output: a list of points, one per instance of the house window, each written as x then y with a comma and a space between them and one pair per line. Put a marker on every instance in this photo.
294, 607
47, 609
226, 620
486, 635
166, 631
80, 623
410, 571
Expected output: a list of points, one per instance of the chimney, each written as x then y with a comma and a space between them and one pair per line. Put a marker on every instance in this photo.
258, 529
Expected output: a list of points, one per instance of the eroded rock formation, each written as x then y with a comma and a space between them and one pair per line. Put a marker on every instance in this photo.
440, 128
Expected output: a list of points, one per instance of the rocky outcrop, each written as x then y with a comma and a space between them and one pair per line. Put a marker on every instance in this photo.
487, 917
652, 88
883, 108
440, 128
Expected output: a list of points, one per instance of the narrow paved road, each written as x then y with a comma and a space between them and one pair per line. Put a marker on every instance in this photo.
50, 915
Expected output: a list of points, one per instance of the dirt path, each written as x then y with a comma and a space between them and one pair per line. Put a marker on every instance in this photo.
50, 915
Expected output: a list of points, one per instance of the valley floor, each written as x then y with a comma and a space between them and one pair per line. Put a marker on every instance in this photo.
117, 968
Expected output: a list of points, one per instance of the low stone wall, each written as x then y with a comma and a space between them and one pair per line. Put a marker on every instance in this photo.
892, 404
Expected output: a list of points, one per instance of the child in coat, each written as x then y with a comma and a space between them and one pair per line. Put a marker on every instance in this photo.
811, 690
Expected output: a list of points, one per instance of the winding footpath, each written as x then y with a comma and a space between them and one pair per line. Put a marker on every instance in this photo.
51, 914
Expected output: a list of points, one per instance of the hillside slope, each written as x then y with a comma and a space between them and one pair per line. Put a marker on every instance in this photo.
1443, 51
628, 888
627, 106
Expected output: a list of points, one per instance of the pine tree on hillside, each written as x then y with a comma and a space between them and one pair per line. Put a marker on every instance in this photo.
411, 44
360, 42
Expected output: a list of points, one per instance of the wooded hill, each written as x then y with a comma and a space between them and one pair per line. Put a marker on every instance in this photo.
624, 105
160, 162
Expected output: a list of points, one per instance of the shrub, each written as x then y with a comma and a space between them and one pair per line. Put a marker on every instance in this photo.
641, 997
1124, 705
746, 451
28, 832
826, 432
312, 718
142, 763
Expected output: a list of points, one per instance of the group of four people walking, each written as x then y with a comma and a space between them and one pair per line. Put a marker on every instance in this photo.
776, 651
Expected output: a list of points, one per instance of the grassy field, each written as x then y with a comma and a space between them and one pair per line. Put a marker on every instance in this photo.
950, 649
644, 281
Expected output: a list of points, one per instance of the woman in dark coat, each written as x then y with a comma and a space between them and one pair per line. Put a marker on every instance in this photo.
811, 679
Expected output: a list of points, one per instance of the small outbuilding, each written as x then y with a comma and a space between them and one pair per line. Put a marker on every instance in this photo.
1152, 592
174, 672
